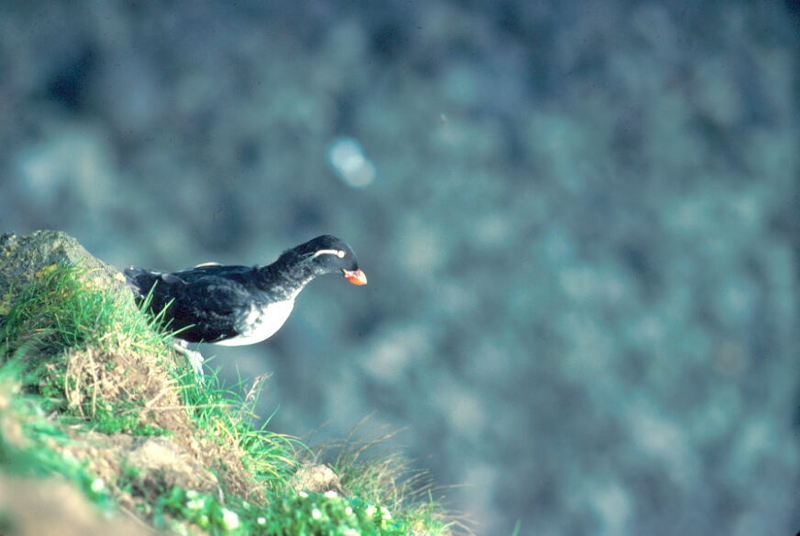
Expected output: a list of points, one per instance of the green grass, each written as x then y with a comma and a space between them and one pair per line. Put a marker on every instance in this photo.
63, 309
79, 360
228, 417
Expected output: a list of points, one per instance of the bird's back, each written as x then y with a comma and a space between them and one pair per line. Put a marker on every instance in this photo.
206, 301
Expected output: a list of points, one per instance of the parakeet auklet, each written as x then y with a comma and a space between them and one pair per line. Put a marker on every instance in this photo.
238, 305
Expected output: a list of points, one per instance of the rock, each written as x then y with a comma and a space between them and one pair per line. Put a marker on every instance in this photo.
22, 257
316, 478
174, 465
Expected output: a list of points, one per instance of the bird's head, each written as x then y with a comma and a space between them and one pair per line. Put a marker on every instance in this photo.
328, 254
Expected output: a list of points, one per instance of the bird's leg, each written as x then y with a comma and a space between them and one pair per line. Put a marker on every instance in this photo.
195, 358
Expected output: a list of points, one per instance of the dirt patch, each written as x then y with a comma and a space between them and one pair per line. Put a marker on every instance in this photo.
132, 384
140, 467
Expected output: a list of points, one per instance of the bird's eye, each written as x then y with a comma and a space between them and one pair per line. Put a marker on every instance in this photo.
340, 254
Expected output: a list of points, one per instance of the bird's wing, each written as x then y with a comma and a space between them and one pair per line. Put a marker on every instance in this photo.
211, 305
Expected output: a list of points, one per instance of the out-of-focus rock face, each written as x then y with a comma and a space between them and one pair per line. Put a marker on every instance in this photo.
579, 222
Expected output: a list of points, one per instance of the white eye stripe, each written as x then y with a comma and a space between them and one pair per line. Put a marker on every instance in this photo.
338, 252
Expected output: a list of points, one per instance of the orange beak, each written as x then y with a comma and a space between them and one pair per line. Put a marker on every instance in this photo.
356, 277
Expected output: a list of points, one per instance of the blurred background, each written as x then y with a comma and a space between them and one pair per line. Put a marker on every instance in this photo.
579, 221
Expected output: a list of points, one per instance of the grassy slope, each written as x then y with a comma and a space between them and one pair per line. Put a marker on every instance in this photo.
90, 390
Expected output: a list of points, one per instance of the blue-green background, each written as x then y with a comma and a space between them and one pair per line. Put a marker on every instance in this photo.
581, 236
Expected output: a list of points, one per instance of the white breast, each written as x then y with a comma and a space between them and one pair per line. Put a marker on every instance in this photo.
260, 323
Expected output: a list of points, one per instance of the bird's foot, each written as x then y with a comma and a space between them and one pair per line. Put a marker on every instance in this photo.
195, 359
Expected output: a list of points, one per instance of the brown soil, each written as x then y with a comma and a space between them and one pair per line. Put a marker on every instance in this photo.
53, 507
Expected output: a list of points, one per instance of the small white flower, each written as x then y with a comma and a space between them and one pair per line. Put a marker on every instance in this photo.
316, 514
351, 532
331, 494
303, 494
97, 485
191, 494
348, 511
230, 519
371, 510
196, 504
261, 521
385, 513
